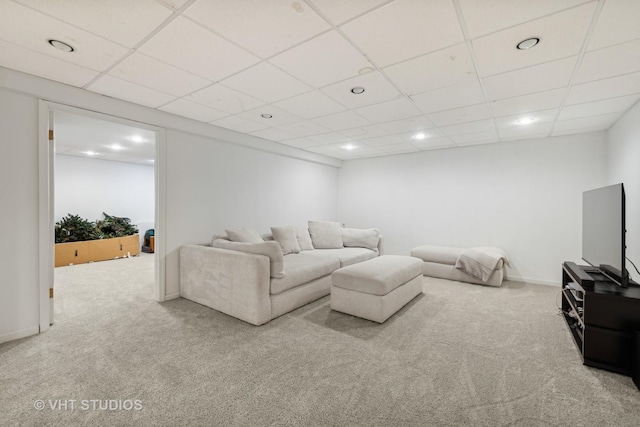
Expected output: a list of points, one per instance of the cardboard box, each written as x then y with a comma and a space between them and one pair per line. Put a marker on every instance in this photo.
96, 250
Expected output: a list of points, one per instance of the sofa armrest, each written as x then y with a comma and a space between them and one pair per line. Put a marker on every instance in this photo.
381, 245
235, 283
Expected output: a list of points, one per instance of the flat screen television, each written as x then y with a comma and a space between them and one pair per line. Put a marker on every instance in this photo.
603, 232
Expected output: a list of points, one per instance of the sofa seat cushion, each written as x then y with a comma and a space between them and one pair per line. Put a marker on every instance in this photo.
347, 256
303, 268
438, 254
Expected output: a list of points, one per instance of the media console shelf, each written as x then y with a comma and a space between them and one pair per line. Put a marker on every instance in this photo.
603, 319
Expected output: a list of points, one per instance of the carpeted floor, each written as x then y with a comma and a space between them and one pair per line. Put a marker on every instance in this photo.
459, 354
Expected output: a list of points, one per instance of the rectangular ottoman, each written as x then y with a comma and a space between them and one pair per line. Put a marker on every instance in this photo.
377, 288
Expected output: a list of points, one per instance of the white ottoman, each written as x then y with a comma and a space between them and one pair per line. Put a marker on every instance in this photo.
377, 288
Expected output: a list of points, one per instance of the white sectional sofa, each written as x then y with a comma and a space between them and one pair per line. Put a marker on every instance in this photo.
258, 278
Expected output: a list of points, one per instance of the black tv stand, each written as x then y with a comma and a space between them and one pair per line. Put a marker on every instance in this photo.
604, 320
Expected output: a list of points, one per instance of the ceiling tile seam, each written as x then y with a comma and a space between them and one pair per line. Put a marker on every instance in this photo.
603, 99
583, 50
614, 45
534, 19
311, 4
174, 15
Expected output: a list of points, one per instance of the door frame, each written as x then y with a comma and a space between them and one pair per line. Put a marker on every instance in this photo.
46, 200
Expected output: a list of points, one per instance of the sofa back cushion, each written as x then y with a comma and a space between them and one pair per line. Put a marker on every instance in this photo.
304, 239
286, 237
360, 237
244, 235
270, 249
325, 234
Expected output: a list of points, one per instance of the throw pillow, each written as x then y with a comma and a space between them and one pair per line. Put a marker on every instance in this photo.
360, 237
304, 239
286, 237
325, 234
244, 235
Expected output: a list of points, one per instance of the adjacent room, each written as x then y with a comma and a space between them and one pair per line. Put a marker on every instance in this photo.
381, 212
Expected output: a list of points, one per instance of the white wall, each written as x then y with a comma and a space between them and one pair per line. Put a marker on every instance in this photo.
522, 196
212, 186
624, 166
19, 307
89, 187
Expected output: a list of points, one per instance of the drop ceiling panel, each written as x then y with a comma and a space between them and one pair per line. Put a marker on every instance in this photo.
465, 128
408, 125
485, 136
594, 122
613, 105
461, 115
538, 78
328, 138
382, 141
225, 99
300, 143
195, 111
122, 89
609, 62
239, 124
460, 95
432, 71
124, 22
187, 45
377, 89
484, 17
434, 143
530, 131
266, 82
405, 29
273, 134
305, 128
340, 11
341, 121
51, 68
364, 132
497, 53
334, 59
30, 29
389, 111
526, 103
617, 23
264, 27
543, 116
157, 75
279, 117
399, 148
310, 105
605, 88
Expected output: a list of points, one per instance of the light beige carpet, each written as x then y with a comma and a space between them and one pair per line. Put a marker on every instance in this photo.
460, 354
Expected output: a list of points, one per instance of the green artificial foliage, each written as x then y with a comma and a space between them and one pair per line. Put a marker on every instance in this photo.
73, 228
113, 226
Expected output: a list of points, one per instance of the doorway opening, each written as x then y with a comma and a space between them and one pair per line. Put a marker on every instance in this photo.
102, 174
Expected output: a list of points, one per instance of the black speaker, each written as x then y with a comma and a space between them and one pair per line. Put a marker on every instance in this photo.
635, 361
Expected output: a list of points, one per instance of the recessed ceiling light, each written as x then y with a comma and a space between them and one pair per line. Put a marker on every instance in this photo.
419, 136
365, 70
137, 138
152, 160
528, 43
90, 153
116, 147
61, 45
357, 90
525, 121
266, 116
348, 146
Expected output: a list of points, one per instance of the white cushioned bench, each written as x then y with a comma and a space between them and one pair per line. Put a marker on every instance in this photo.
440, 261
377, 288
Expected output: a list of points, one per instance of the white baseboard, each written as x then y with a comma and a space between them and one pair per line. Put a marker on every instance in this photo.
172, 296
16, 335
532, 281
